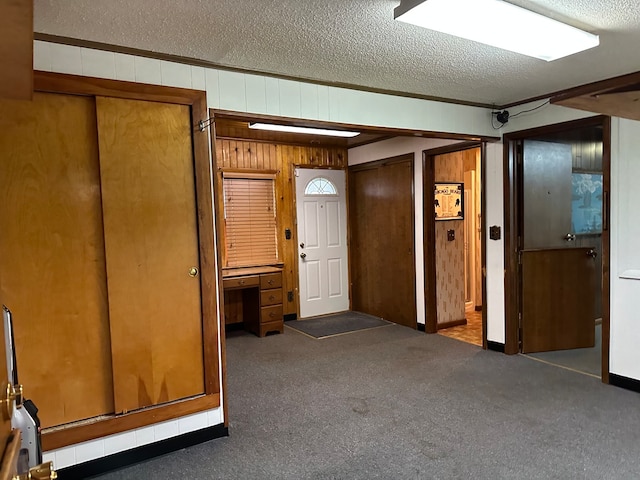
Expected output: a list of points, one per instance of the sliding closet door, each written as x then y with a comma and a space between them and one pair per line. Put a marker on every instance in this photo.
151, 241
52, 255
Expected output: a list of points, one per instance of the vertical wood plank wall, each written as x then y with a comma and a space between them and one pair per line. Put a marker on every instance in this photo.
259, 155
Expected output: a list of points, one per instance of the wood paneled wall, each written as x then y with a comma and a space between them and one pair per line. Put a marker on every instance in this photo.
16, 49
252, 155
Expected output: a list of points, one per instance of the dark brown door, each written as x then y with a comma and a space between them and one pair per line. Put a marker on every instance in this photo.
382, 240
558, 279
557, 309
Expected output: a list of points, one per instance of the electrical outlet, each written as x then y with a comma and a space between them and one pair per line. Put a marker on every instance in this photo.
290, 295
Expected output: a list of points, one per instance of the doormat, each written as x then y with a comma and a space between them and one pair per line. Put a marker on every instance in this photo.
337, 324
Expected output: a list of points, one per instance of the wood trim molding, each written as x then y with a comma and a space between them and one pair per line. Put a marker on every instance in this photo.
390, 131
76, 42
614, 83
606, 249
91, 86
452, 323
219, 239
483, 241
590, 88
429, 242
16, 49
63, 437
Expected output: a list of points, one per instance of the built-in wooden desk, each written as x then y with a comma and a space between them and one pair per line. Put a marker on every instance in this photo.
261, 297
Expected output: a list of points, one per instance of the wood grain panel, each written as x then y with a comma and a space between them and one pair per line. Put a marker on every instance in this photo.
148, 190
383, 265
10, 446
16, 49
9, 441
83, 432
280, 158
52, 255
558, 311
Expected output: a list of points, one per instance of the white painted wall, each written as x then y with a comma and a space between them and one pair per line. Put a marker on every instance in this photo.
624, 354
546, 115
259, 94
494, 216
394, 147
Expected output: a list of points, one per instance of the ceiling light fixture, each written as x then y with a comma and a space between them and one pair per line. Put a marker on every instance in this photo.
305, 130
499, 24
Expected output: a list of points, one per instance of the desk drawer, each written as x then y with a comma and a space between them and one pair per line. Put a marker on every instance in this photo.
270, 297
270, 314
241, 282
270, 280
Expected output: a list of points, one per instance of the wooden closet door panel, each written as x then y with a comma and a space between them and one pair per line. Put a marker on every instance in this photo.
151, 241
52, 255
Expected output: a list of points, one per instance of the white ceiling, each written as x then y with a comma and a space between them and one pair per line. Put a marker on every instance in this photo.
354, 42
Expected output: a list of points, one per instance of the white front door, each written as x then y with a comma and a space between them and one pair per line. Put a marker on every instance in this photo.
321, 208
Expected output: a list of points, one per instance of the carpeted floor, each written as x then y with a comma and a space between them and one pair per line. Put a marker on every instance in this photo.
394, 403
337, 324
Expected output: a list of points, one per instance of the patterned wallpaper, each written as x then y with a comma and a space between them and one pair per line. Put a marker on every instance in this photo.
450, 255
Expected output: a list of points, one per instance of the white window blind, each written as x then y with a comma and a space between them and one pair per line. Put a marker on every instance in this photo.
250, 220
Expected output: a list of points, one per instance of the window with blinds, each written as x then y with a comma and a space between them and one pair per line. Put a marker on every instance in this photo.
250, 219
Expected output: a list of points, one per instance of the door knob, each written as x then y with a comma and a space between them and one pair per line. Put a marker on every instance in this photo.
569, 237
302, 245
193, 272
303, 255
592, 253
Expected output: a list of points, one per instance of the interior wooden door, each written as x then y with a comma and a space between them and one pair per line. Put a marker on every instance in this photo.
151, 241
558, 280
558, 310
382, 240
52, 255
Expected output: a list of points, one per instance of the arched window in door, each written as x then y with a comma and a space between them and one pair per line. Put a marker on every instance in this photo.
320, 186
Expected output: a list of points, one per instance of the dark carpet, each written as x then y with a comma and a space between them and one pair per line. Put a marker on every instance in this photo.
394, 403
336, 324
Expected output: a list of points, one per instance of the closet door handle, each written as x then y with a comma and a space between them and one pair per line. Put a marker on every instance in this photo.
193, 272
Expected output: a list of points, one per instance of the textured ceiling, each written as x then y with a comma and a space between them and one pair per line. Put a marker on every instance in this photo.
354, 42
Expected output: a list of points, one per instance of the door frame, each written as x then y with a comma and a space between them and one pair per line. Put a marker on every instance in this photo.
429, 227
296, 269
513, 217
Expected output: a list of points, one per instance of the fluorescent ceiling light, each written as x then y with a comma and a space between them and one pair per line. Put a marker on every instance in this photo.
499, 24
306, 130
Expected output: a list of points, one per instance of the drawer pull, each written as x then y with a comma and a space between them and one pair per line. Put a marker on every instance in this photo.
241, 282
271, 297
271, 314
270, 282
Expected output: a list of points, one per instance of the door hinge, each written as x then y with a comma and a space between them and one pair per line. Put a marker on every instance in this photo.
519, 257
